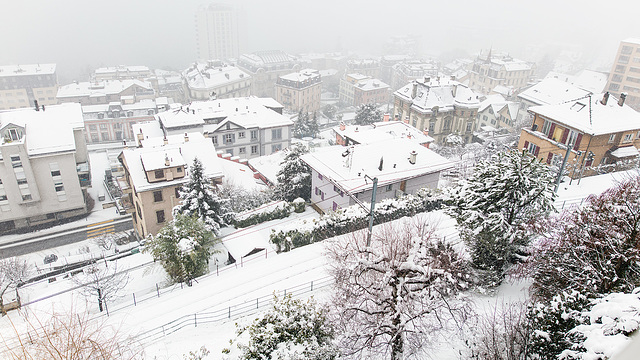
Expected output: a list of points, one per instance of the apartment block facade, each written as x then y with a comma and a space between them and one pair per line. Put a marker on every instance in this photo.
21, 85
300, 91
625, 73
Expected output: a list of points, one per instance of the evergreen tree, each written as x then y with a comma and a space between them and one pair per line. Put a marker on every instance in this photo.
200, 199
294, 178
368, 114
301, 125
183, 247
313, 128
496, 205
292, 329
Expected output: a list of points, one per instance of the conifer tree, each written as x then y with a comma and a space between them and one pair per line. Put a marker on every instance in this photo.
294, 178
301, 125
368, 114
200, 199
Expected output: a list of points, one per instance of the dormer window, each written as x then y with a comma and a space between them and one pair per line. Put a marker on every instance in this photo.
13, 135
159, 174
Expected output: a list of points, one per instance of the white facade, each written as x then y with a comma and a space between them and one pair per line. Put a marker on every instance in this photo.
219, 32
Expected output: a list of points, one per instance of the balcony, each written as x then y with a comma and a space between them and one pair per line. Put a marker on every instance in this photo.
84, 174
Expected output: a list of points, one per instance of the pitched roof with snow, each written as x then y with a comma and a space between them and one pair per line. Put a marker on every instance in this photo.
152, 155
383, 131
100, 88
552, 91
432, 92
590, 116
27, 69
212, 75
370, 85
348, 170
49, 130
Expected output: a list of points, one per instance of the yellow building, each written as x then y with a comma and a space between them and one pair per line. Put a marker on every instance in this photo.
300, 90
625, 73
21, 85
600, 130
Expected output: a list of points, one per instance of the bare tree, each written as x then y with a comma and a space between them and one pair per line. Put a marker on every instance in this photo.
13, 272
69, 335
395, 294
103, 280
105, 241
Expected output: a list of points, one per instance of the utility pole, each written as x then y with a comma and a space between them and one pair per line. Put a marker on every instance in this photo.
564, 163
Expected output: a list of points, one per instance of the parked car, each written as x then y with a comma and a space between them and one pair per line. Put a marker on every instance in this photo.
50, 258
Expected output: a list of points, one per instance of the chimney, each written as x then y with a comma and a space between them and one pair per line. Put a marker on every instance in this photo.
427, 79
406, 119
412, 157
140, 138
605, 98
166, 160
453, 77
342, 126
414, 90
381, 162
35, 102
385, 118
165, 140
623, 96
454, 90
186, 137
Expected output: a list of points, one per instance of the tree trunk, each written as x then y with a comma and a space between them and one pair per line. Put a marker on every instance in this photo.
397, 341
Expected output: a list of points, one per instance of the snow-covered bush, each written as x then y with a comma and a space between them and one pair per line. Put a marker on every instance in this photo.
292, 330
276, 210
304, 232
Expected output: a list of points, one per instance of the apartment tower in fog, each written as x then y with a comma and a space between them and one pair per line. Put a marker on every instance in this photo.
219, 32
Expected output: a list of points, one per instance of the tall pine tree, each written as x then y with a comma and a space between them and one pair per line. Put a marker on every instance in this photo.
368, 114
294, 178
200, 199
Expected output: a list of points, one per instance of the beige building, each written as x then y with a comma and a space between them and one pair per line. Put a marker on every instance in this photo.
220, 32
265, 67
104, 92
122, 72
368, 67
215, 80
21, 85
625, 73
155, 171
439, 106
300, 91
45, 171
490, 71
600, 130
407, 71
497, 113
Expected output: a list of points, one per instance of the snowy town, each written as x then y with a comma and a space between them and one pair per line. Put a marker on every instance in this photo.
391, 194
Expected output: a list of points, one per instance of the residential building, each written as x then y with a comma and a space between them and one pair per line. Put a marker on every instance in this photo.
402, 166
265, 67
490, 71
104, 92
21, 85
386, 130
386, 66
156, 170
220, 32
367, 67
497, 113
359, 89
593, 81
599, 129
300, 91
440, 106
215, 80
241, 127
168, 84
625, 72
122, 72
549, 91
46, 166
114, 121
407, 71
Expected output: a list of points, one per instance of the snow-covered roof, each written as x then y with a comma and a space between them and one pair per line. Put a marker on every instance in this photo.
632, 40
589, 80
364, 159
46, 131
100, 88
261, 58
140, 105
497, 103
383, 131
432, 92
626, 151
552, 91
302, 75
248, 112
212, 75
597, 119
371, 84
152, 155
240, 175
27, 69
268, 165
121, 68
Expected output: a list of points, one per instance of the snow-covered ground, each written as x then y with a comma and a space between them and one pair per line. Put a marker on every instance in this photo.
227, 288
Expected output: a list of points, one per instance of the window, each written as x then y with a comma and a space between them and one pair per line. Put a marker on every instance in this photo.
275, 148
628, 137
177, 191
484, 117
103, 126
533, 149
626, 50
3, 197
614, 87
617, 77
612, 138
276, 134
159, 174
254, 149
335, 206
58, 186
242, 150
623, 59
447, 124
157, 196
26, 197
432, 126
469, 125
214, 138
389, 187
15, 161
151, 112
241, 135
179, 169
130, 114
319, 176
227, 138
254, 134
160, 216
13, 134
620, 68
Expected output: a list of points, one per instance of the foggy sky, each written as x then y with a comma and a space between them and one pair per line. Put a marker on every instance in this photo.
80, 35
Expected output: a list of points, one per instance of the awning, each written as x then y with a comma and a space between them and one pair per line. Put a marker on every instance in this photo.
624, 152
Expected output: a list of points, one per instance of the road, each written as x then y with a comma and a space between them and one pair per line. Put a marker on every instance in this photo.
22, 247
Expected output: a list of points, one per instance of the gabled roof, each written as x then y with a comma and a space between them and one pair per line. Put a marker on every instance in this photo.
203, 76
432, 92
383, 131
347, 166
100, 88
552, 91
597, 119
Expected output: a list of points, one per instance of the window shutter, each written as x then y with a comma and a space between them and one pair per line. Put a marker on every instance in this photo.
551, 130
537, 150
565, 134
526, 145
549, 157
577, 145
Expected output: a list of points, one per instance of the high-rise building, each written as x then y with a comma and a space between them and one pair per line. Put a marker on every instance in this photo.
219, 32
625, 73
21, 85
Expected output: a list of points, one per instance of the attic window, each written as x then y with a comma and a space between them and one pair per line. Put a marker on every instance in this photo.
577, 106
13, 134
